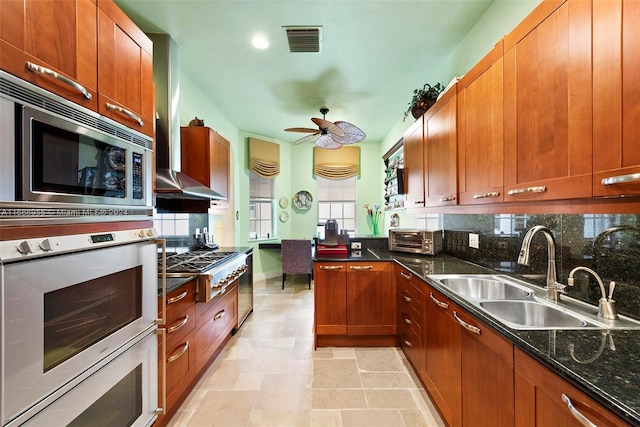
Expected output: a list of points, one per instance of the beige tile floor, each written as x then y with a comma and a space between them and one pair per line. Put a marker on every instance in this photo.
269, 375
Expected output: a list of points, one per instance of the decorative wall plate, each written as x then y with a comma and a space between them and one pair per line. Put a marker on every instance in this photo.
284, 202
284, 216
302, 200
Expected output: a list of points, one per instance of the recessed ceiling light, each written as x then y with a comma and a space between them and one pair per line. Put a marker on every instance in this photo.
260, 42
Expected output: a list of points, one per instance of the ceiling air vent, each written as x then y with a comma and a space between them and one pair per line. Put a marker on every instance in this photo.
304, 39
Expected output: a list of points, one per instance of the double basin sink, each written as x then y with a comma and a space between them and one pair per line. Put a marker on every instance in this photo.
519, 305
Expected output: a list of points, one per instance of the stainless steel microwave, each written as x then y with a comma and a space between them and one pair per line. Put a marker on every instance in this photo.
415, 241
61, 159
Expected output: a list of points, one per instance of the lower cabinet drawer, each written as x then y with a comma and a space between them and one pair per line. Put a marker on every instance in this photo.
408, 318
412, 346
179, 327
181, 368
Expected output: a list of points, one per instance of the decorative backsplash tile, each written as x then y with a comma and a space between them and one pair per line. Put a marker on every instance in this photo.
608, 244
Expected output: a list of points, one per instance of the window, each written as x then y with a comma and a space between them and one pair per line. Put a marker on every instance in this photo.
261, 207
337, 200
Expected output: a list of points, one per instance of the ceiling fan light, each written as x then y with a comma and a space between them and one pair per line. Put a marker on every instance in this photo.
260, 42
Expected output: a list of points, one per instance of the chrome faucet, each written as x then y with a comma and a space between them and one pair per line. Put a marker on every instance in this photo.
554, 289
606, 305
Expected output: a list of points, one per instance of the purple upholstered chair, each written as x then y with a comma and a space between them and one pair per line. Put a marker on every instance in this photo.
296, 258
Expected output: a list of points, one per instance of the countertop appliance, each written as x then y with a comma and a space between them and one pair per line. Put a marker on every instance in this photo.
215, 270
427, 242
78, 314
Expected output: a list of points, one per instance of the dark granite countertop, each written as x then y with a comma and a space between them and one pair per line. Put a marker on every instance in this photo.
605, 364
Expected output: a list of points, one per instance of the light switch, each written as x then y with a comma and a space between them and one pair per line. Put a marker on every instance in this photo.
474, 240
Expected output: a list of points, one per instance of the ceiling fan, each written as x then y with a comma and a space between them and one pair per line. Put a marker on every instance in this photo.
329, 135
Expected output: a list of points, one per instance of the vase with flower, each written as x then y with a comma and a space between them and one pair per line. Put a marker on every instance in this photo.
373, 215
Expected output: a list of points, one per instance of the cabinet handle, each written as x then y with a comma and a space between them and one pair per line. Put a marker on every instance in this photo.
173, 328
330, 267
361, 267
48, 72
621, 179
447, 199
405, 275
219, 316
406, 319
576, 414
406, 342
465, 325
178, 354
418, 202
125, 112
406, 298
540, 189
485, 195
177, 298
439, 303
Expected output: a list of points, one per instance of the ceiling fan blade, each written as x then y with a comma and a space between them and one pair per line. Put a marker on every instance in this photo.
329, 126
311, 137
305, 130
326, 141
351, 133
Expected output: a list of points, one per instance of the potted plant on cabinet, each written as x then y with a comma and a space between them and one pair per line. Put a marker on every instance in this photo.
423, 98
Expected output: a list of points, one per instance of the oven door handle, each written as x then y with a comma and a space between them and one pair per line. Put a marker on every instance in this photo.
162, 321
163, 333
163, 318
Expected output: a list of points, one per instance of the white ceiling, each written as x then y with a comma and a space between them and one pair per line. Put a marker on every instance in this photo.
374, 53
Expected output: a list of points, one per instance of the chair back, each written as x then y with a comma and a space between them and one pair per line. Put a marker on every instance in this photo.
296, 256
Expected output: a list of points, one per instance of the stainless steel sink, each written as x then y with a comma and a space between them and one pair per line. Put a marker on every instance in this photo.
532, 315
486, 288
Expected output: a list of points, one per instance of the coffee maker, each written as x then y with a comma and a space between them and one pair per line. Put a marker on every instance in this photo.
331, 232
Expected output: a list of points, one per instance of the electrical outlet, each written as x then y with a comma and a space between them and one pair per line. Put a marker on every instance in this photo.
474, 241
356, 246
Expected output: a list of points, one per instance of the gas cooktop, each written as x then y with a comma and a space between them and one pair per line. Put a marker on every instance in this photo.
196, 261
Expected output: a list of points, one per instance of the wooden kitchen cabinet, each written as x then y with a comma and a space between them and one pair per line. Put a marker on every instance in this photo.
56, 37
440, 148
413, 146
480, 131
178, 368
330, 298
411, 324
548, 104
469, 367
205, 156
215, 320
616, 90
125, 70
540, 399
371, 296
354, 304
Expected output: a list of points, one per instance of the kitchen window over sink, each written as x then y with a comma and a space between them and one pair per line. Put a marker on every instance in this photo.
261, 207
337, 200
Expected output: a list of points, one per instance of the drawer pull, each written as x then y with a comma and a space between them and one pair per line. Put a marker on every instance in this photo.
330, 267
126, 112
576, 414
361, 267
46, 71
219, 316
406, 342
485, 195
540, 189
465, 325
418, 202
177, 298
173, 328
178, 354
406, 298
439, 303
447, 199
406, 319
405, 275
621, 179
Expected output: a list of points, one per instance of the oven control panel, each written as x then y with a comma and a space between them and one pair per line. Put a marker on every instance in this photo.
18, 250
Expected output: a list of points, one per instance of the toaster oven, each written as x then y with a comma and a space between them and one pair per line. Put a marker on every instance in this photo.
415, 241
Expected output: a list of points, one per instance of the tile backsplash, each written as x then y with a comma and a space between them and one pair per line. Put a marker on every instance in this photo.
608, 244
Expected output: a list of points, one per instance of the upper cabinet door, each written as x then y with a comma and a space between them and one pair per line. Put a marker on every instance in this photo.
616, 91
413, 143
480, 131
52, 44
440, 152
125, 70
548, 104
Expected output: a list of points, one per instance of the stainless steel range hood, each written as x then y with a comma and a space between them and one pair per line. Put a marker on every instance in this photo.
175, 191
